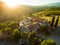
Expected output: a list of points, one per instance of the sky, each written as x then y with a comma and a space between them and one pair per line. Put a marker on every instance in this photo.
28, 2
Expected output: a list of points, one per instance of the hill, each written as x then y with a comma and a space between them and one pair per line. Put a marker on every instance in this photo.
34, 9
26, 10
56, 4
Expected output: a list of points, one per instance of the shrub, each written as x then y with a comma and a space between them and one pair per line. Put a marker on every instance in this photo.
48, 42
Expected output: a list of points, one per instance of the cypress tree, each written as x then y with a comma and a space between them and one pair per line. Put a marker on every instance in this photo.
52, 21
56, 22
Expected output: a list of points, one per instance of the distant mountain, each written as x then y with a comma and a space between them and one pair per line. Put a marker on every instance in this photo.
21, 10
42, 7
28, 9
56, 4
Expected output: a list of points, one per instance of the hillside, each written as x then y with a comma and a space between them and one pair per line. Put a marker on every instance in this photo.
26, 10
49, 12
23, 9
57, 4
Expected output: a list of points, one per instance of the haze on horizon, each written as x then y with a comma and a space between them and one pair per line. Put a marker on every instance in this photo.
28, 2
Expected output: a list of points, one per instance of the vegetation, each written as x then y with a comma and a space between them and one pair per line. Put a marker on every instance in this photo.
10, 24
57, 22
52, 23
16, 35
48, 42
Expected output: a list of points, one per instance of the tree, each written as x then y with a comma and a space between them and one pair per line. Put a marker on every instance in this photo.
34, 41
24, 35
16, 35
3, 25
7, 30
43, 29
56, 22
52, 21
48, 42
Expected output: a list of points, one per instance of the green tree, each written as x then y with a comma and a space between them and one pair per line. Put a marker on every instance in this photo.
7, 29
48, 42
3, 25
24, 35
57, 21
16, 35
43, 29
52, 21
